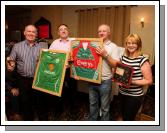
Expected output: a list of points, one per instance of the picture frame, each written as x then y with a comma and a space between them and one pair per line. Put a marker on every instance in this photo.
50, 71
87, 64
123, 74
44, 28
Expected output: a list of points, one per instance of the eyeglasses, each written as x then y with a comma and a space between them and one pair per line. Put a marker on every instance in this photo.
65, 29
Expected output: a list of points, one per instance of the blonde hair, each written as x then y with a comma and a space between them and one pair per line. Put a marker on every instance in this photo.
135, 38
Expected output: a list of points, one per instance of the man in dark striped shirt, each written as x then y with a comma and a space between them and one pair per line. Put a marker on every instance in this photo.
25, 55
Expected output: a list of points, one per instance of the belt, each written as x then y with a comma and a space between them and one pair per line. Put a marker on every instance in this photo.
26, 77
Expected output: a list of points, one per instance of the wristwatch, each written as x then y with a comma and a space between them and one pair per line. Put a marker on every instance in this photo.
106, 56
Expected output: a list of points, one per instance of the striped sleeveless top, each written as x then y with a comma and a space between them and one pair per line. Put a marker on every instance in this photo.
136, 63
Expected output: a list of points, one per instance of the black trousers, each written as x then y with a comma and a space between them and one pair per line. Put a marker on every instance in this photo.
130, 106
69, 91
26, 97
32, 101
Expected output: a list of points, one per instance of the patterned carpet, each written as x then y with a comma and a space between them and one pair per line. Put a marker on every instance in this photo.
81, 111
61, 110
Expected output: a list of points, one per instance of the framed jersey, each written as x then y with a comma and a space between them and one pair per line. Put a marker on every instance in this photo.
87, 64
123, 74
50, 72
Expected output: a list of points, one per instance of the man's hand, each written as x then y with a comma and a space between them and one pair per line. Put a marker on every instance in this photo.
101, 51
14, 91
76, 77
10, 64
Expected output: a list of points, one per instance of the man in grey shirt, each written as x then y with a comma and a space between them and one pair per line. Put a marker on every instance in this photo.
25, 55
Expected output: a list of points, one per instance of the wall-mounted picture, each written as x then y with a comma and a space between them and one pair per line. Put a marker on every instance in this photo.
44, 28
87, 64
50, 71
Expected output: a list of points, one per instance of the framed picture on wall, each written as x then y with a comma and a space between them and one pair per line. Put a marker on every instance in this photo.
50, 71
44, 28
87, 64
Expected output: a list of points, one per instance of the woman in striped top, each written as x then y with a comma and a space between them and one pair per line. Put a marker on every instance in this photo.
131, 98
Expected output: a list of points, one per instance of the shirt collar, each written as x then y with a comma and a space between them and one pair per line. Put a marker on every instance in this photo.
107, 42
35, 43
66, 39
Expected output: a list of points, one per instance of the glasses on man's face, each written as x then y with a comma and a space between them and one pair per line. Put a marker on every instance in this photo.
65, 29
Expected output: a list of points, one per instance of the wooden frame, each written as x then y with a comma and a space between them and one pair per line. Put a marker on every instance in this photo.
123, 74
50, 71
44, 28
87, 64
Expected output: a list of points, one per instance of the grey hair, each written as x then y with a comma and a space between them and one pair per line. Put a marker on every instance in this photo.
36, 31
108, 27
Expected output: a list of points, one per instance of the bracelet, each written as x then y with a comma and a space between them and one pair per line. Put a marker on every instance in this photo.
107, 55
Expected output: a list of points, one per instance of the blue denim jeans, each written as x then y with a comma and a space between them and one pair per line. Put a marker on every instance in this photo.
99, 98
